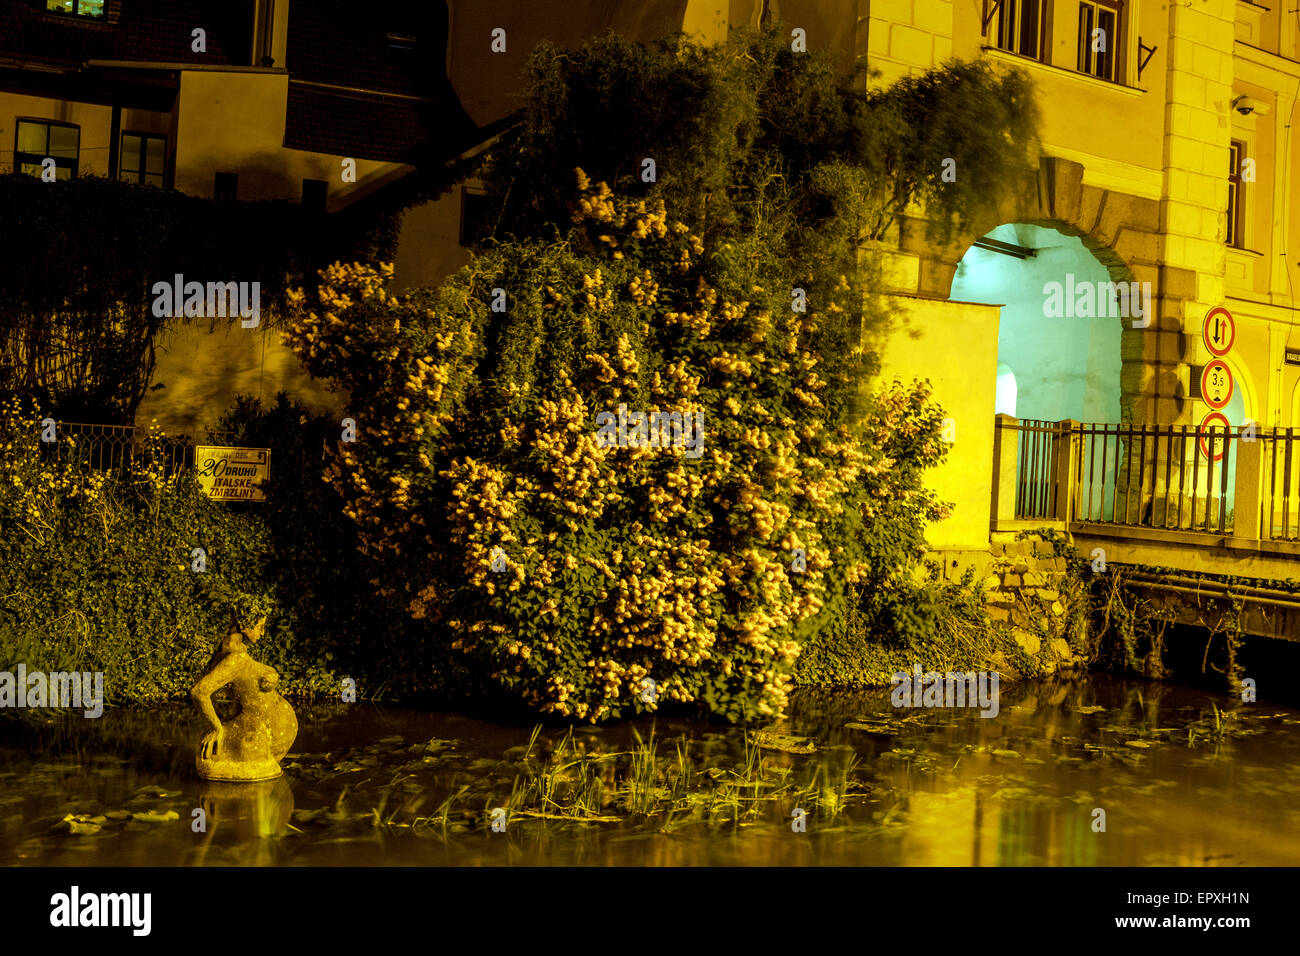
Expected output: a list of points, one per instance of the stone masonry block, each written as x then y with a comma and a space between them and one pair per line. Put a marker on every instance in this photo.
894, 11
1134, 246
933, 16
910, 45
1177, 283
1060, 188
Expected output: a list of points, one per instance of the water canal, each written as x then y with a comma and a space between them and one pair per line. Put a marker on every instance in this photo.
1184, 777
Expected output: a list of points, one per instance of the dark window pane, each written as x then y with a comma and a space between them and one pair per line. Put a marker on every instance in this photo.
1106, 57
156, 155
1007, 24
1029, 28
1235, 187
1085, 37
32, 137
129, 163
63, 141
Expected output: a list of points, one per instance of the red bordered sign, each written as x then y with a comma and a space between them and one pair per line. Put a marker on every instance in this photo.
1217, 384
1219, 331
1218, 421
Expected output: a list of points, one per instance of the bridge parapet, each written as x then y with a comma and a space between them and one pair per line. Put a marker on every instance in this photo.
1242, 482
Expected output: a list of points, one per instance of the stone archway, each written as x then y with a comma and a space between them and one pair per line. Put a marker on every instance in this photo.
1123, 232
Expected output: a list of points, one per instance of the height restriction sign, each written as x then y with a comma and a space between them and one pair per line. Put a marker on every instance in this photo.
1219, 331
1217, 384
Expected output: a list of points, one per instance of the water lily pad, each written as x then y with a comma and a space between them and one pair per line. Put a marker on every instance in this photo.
155, 816
1089, 709
1004, 753
870, 728
768, 740
155, 793
79, 824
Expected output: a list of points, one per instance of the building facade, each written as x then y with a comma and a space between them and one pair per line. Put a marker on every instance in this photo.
1167, 165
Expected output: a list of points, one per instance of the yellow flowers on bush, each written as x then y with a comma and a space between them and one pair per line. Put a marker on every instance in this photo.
562, 570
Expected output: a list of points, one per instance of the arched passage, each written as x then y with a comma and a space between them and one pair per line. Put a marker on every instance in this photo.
1061, 322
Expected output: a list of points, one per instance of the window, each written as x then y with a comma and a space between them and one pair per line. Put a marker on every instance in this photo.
1236, 193
473, 218
1099, 39
143, 159
225, 186
38, 140
1021, 26
314, 194
76, 8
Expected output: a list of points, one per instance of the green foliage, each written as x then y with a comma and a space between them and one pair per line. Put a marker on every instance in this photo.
917, 619
750, 137
480, 443
96, 574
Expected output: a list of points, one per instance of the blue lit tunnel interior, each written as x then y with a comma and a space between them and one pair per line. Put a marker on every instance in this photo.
1050, 367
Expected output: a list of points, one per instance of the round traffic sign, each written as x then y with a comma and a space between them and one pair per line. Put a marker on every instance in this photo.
1216, 420
1219, 331
1217, 384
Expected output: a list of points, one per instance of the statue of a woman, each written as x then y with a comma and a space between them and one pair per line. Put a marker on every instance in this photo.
251, 744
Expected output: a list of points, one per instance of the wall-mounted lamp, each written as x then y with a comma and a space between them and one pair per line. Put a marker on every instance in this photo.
1246, 105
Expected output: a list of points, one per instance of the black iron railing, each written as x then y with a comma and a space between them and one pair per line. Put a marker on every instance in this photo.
1156, 476
121, 449
1280, 485
1036, 469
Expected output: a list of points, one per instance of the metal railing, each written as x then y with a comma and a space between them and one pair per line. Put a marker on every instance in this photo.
1036, 468
1280, 483
120, 449
1242, 481
1156, 476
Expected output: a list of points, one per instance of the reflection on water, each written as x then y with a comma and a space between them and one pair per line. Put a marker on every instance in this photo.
1183, 777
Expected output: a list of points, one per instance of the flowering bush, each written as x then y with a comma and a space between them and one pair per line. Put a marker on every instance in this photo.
716, 261
567, 570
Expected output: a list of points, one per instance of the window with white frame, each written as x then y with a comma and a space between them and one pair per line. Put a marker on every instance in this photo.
1021, 27
1100, 38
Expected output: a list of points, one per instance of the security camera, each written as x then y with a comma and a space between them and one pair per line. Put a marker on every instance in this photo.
1246, 105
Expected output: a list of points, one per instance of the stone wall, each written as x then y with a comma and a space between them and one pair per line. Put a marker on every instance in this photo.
1029, 591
